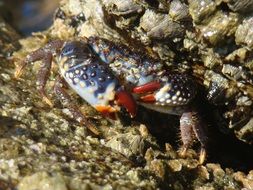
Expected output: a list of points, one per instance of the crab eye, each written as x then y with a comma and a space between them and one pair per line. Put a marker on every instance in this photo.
68, 50
75, 49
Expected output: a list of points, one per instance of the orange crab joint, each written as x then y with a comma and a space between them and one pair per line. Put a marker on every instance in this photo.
105, 109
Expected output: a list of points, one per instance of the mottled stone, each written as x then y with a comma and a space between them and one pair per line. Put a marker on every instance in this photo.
221, 27
159, 26
179, 11
43, 145
244, 33
127, 144
243, 6
201, 10
43, 181
246, 180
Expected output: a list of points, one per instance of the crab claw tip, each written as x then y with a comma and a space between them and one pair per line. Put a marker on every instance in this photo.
126, 100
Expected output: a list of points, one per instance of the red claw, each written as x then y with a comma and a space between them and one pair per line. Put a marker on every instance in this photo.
148, 87
126, 100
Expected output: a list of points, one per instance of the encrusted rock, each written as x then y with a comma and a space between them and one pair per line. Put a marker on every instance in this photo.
221, 27
209, 39
244, 33
201, 10
127, 144
159, 26
122, 7
246, 180
179, 11
43, 181
243, 6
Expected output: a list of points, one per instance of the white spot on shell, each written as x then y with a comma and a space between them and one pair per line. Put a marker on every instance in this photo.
100, 96
162, 92
82, 84
162, 100
168, 101
167, 96
91, 90
109, 94
66, 67
174, 97
71, 75
76, 80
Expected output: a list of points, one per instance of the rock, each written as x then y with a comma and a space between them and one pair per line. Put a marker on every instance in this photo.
43, 145
43, 181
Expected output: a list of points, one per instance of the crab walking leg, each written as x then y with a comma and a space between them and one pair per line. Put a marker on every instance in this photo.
191, 126
34, 56
200, 133
66, 101
45, 54
38, 55
186, 133
42, 77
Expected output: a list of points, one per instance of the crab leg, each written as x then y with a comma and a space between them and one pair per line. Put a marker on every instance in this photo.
38, 55
44, 54
200, 133
43, 76
66, 101
191, 126
186, 133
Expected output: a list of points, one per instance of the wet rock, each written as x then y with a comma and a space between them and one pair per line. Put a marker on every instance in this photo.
245, 133
43, 181
121, 7
127, 144
221, 27
159, 26
44, 145
8, 40
179, 11
123, 14
175, 165
218, 88
201, 10
246, 180
244, 33
244, 6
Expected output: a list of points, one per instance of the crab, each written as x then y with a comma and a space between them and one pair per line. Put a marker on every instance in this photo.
111, 77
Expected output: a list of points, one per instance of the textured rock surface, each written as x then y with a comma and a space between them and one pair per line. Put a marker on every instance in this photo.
43, 145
